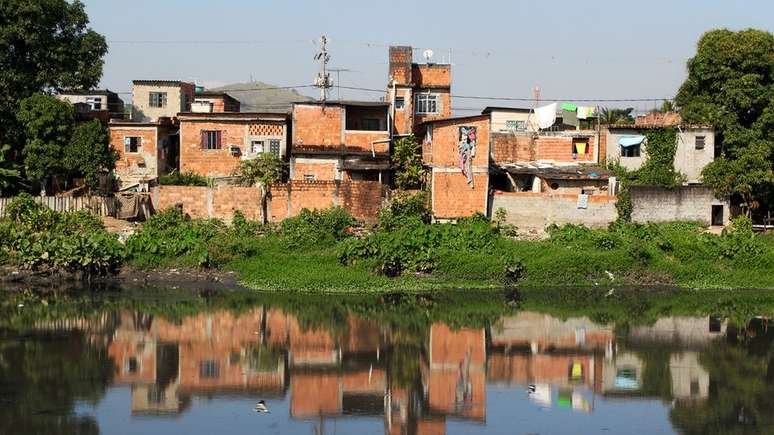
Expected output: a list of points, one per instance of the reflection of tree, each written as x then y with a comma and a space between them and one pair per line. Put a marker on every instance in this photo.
42, 378
741, 394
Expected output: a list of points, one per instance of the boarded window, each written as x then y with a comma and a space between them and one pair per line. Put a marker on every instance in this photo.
132, 144
211, 139
157, 99
699, 142
274, 147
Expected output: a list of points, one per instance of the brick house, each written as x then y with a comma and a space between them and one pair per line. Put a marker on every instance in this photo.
145, 150
101, 104
206, 102
417, 92
457, 152
155, 99
213, 144
340, 140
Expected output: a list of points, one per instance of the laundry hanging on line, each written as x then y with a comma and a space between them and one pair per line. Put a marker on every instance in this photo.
569, 107
586, 112
546, 115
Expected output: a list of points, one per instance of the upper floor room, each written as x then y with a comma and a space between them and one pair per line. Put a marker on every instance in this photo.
102, 104
155, 99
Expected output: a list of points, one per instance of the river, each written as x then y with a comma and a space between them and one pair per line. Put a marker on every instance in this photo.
187, 362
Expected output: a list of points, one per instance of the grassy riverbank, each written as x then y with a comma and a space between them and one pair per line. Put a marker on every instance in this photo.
317, 251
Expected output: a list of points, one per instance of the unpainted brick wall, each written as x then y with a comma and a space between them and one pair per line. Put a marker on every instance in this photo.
210, 162
363, 199
535, 211
560, 149
128, 164
317, 125
453, 198
508, 147
431, 75
361, 141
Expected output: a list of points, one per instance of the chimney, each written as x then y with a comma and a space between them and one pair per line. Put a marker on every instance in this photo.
401, 58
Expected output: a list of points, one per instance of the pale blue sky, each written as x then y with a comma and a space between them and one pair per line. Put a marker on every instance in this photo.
571, 49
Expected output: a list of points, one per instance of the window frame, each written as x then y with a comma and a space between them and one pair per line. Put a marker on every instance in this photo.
702, 139
254, 142
402, 104
309, 177
422, 104
210, 136
159, 102
209, 369
633, 148
128, 146
275, 143
95, 103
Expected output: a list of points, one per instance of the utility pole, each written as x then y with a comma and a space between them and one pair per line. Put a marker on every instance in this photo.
323, 80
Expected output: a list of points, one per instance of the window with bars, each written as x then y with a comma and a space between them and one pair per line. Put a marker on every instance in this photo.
157, 99
274, 147
427, 104
209, 369
132, 144
211, 139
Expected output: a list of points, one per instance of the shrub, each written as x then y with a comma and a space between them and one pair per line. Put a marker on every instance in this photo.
317, 227
183, 179
404, 210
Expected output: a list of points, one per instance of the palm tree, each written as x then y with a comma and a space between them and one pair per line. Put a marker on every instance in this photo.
616, 116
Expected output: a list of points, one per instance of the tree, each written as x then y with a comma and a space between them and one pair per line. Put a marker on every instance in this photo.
407, 163
263, 171
8, 173
616, 116
730, 85
44, 44
48, 124
89, 153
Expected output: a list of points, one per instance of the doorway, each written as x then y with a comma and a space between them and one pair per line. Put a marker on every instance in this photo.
717, 215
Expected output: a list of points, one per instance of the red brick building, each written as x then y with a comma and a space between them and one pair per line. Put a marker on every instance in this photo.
145, 150
457, 151
213, 144
417, 92
340, 140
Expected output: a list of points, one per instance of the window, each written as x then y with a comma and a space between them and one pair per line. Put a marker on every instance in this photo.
630, 151
274, 147
515, 125
156, 394
427, 104
308, 177
699, 142
581, 147
211, 139
400, 103
370, 124
132, 144
256, 147
209, 369
157, 99
130, 365
94, 103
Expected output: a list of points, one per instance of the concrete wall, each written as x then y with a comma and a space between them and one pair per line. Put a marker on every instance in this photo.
688, 160
177, 96
535, 211
686, 203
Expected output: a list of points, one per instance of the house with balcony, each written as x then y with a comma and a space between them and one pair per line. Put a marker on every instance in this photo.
340, 140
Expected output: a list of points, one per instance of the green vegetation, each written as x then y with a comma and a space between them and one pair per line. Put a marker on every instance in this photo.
88, 153
183, 179
408, 169
263, 171
34, 236
730, 85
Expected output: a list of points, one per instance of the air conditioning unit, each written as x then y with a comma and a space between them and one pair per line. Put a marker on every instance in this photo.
235, 150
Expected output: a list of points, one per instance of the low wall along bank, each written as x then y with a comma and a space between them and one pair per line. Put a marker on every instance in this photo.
536, 211
362, 199
685, 203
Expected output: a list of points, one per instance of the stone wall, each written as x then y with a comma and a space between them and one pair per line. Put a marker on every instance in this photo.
685, 203
535, 211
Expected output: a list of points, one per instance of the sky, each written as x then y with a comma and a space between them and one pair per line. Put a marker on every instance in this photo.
594, 49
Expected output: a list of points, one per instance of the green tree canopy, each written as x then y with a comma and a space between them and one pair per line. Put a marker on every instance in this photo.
89, 153
730, 85
47, 124
45, 44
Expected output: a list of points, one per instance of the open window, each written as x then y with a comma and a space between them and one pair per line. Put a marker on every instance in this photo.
366, 117
132, 144
630, 145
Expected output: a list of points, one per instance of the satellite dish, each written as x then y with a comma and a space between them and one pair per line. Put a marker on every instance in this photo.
428, 54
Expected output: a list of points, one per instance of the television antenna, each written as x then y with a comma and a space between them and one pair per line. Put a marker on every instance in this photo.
427, 54
323, 80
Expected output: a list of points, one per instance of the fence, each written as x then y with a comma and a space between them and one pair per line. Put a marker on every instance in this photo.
99, 205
